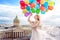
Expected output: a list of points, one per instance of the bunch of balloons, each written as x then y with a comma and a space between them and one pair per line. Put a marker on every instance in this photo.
36, 6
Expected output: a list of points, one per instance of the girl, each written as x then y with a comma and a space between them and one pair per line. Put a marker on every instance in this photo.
38, 34
35, 23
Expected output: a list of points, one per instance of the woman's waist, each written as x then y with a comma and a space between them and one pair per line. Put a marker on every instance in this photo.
36, 29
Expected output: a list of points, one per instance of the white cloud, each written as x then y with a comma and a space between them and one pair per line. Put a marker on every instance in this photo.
12, 10
5, 18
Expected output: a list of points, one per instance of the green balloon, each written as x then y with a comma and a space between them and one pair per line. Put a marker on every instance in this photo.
33, 10
37, 11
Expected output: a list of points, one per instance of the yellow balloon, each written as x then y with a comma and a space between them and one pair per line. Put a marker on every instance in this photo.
46, 0
42, 1
24, 11
26, 1
51, 3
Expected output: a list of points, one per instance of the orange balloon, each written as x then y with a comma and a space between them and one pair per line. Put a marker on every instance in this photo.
50, 7
32, 5
42, 8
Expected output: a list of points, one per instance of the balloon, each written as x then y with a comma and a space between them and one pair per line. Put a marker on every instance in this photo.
42, 1
46, 0
22, 3
42, 12
33, 10
27, 14
38, 1
37, 11
37, 6
51, 3
22, 7
42, 8
26, 1
46, 4
31, 1
21, 0
50, 7
32, 5
28, 8
24, 11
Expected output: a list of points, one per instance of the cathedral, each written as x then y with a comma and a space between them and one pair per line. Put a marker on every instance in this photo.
16, 31
19, 28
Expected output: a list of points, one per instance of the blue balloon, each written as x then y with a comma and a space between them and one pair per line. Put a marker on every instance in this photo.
31, 1
46, 5
42, 12
28, 8
37, 6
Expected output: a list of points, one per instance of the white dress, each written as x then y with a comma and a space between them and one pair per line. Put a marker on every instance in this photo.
39, 34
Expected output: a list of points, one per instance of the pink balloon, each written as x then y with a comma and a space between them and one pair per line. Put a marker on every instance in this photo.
21, 0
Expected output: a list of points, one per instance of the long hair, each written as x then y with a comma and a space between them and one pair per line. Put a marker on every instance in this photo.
38, 18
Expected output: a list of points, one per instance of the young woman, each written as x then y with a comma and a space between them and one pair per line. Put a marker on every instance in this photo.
38, 34
35, 23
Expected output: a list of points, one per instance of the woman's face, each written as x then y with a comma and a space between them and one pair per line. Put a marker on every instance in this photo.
36, 17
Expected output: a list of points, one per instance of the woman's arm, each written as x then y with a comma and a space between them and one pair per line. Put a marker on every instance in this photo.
29, 18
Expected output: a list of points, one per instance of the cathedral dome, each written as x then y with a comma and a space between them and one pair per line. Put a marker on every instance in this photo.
16, 20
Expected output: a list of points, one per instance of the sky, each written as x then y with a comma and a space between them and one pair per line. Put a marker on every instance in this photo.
10, 8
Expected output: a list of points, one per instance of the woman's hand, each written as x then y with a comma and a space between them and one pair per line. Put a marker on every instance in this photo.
30, 14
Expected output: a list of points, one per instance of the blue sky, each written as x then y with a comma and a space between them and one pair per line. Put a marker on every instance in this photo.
10, 2
10, 8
